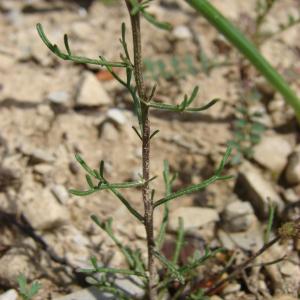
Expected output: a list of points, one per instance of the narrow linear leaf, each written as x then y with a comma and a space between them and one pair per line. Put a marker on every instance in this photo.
153, 134
81, 193
179, 241
66, 41
151, 19
89, 181
84, 165
172, 268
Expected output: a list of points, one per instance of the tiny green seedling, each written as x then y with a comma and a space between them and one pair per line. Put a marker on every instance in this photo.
27, 291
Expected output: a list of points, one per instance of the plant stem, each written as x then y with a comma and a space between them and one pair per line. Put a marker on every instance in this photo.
147, 200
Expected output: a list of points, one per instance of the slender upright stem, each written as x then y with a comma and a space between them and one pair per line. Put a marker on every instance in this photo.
148, 202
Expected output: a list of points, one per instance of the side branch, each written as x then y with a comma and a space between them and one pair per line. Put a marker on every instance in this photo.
68, 56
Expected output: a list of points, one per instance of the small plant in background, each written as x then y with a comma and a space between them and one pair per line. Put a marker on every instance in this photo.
247, 128
179, 67
27, 292
263, 9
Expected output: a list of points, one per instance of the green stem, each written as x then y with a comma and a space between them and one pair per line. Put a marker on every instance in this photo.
248, 50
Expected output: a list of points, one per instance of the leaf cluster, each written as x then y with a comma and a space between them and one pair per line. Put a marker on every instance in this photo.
247, 129
178, 67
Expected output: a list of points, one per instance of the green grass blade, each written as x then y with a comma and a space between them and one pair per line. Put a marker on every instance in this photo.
237, 38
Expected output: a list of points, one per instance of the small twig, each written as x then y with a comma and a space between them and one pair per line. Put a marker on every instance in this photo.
242, 266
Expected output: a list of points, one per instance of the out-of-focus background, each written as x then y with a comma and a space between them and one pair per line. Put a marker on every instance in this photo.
51, 109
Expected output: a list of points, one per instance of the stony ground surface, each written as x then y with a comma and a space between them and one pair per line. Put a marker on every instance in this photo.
51, 109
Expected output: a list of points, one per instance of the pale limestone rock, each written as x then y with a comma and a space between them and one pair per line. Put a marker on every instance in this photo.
91, 92
116, 115
292, 173
250, 240
14, 262
43, 211
60, 192
193, 217
9, 295
272, 153
238, 216
59, 97
252, 186
182, 32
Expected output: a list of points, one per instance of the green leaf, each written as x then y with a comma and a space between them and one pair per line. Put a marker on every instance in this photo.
81, 193
85, 166
89, 181
66, 41
179, 241
172, 268
151, 19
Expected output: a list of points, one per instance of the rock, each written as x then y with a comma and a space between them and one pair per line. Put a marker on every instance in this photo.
238, 216
252, 186
290, 196
14, 262
231, 288
193, 217
9, 295
288, 268
82, 30
292, 173
109, 132
140, 232
42, 169
60, 192
87, 294
272, 153
43, 210
37, 155
91, 92
116, 115
182, 32
92, 293
249, 240
284, 297
59, 97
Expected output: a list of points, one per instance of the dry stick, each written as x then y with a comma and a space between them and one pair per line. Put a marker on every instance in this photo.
148, 202
242, 266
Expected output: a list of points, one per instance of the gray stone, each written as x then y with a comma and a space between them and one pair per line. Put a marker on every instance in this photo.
60, 192
9, 295
252, 186
290, 196
109, 132
87, 294
43, 210
182, 32
193, 217
116, 115
272, 153
91, 92
59, 97
238, 216
127, 285
249, 240
17, 261
292, 173
37, 155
